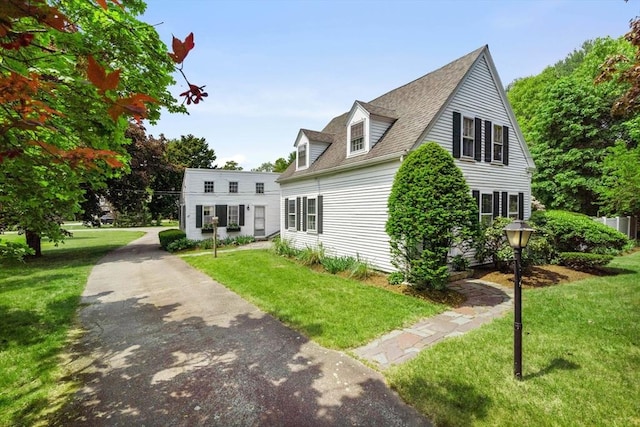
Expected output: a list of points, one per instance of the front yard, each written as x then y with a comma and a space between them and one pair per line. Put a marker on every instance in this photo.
581, 342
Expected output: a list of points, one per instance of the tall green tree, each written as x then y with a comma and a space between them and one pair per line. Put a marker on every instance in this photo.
191, 152
68, 76
232, 165
281, 164
430, 209
264, 167
567, 123
620, 190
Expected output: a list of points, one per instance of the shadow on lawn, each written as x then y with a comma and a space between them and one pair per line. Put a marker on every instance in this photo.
556, 364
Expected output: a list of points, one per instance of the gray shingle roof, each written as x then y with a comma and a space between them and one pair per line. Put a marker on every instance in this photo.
414, 105
318, 136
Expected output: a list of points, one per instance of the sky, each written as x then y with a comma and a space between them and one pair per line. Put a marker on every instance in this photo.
272, 67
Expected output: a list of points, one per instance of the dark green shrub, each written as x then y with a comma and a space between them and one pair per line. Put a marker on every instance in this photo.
14, 251
492, 244
539, 251
395, 278
171, 235
459, 263
430, 210
182, 244
338, 264
584, 261
572, 232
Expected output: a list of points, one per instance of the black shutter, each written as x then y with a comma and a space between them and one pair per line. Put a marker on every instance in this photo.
488, 151
505, 204
286, 214
520, 205
221, 213
476, 195
496, 204
241, 215
304, 214
505, 145
319, 215
477, 155
198, 216
298, 213
457, 135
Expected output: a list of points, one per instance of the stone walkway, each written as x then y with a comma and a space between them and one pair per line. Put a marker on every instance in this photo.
485, 301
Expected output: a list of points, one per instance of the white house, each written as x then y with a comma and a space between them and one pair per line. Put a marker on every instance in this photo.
336, 192
246, 203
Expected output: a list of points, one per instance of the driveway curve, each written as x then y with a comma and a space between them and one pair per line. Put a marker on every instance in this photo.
164, 345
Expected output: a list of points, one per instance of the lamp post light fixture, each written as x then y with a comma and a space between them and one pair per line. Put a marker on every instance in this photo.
518, 233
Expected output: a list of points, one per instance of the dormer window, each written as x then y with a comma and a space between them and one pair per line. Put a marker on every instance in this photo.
302, 156
357, 137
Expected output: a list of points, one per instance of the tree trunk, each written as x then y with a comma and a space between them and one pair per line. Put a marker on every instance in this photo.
34, 242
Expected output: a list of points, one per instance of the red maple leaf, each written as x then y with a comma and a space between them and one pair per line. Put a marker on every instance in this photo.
100, 78
133, 106
181, 49
194, 94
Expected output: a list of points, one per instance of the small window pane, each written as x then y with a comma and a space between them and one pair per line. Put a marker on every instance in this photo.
208, 186
357, 137
302, 155
497, 143
311, 215
486, 209
233, 216
292, 214
468, 135
513, 206
259, 187
233, 187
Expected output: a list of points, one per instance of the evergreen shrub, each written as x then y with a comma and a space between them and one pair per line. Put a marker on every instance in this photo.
171, 235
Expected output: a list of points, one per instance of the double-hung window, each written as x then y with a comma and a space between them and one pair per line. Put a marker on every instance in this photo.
312, 213
486, 209
259, 187
468, 136
233, 186
514, 206
208, 186
497, 143
291, 220
233, 215
302, 155
357, 137
208, 212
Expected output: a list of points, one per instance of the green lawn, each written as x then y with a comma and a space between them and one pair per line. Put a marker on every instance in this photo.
38, 303
334, 311
581, 361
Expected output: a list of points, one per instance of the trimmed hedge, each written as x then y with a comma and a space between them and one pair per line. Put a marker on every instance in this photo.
171, 235
584, 261
573, 232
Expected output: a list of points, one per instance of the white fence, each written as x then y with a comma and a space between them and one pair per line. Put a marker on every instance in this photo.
627, 225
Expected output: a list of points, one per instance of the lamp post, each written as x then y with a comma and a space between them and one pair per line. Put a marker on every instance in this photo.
214, 221
518, 233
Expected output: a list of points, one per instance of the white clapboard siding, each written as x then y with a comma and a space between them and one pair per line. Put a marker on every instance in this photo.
378, 128
480, 97
193, 195
354, 213
315, 150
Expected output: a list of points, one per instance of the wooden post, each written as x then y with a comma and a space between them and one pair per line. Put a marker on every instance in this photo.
214, 221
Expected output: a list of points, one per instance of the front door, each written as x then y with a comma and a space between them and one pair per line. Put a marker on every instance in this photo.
259, 221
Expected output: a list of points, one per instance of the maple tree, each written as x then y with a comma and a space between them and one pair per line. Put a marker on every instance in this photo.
72, 77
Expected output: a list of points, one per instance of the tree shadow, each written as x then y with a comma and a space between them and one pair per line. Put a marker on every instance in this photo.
556, 364
150, 366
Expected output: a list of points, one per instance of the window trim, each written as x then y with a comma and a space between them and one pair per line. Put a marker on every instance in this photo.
305, 150
209, 186
470, 138
313, 215
513, 214
360, 140
495, 143
233, 187
229, 209
482, 213
291, 214
259, 187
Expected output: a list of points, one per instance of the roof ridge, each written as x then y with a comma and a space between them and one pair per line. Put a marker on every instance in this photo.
460, 59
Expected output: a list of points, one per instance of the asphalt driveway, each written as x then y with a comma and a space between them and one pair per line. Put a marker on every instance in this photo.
165, 345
